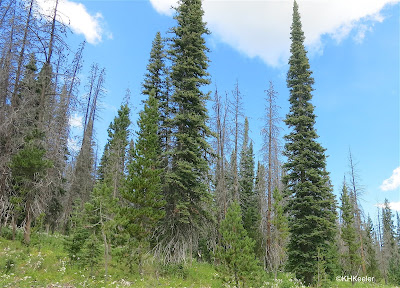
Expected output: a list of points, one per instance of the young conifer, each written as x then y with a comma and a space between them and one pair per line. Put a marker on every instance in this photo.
114, 156
247, 193
238, 263
370, 246
142, 188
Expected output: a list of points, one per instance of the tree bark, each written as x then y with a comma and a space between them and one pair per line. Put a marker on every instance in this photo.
28, 222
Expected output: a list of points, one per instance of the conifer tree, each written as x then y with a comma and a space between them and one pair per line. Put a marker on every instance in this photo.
100, 219
398, 229
187, 188
157, 79
389, 249
311, 204
394, 262
154, 77
28, 168
370, 245
351, 257
91, 253
29, 163
142, 189
238, 264
77, 234
247, 195
114, 156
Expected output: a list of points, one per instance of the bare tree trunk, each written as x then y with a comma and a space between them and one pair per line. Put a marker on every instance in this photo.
271, 151
220, 111
52, 34
14, 226
5, 12
357, 212
28, 222
22, 54
269, 200
237, 113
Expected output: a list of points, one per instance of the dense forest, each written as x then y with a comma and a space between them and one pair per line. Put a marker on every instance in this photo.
186, 186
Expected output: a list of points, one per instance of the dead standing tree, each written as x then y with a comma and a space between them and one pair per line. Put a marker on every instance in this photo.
356, 192
220, 120
271, 151
236, 110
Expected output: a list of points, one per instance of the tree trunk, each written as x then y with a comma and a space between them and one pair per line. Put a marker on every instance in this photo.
106, 253
21, 56
357, 212
14, 226
28, 222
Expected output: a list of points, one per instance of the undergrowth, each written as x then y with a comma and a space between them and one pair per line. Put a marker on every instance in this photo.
44, 263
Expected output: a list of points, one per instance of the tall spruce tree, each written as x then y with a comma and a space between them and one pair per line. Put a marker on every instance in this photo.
156, 78
187, 190
155, 69
142, 189
311, 203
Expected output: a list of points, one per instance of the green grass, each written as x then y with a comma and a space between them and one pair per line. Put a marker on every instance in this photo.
45, 264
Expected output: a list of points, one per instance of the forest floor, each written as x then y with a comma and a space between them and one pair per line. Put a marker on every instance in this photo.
45, 264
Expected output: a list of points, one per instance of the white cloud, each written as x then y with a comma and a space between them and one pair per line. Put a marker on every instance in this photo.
78, 18
393, 182
164, 6
260, 28
392, 205
76, 121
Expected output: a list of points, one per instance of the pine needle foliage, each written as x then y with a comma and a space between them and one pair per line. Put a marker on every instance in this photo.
370, 246
311, 203
142, 189
154, 78
248, 196
186, 179
112, 165
238, 263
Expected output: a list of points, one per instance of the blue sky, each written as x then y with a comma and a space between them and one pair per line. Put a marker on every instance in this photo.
354, 55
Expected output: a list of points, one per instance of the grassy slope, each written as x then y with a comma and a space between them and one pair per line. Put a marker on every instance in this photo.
47, 265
